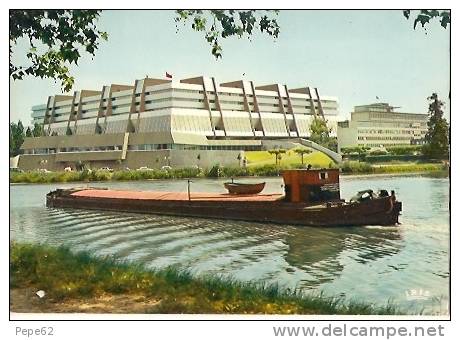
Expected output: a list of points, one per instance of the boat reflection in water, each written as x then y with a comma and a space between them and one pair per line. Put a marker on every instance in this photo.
324, 253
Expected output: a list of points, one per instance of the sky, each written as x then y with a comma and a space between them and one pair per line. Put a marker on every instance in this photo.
354, 55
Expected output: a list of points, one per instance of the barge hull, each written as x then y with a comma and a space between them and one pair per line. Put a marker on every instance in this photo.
382, 211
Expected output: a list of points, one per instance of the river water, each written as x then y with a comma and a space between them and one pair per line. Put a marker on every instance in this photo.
407, 265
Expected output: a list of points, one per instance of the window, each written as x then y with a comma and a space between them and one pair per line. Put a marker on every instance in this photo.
323, 175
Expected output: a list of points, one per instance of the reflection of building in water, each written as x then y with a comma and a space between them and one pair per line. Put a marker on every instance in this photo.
317, 251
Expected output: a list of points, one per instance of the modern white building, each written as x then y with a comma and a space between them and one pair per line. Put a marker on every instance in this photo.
121, 122
378, 125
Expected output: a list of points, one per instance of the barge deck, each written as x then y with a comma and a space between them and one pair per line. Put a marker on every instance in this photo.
175, 196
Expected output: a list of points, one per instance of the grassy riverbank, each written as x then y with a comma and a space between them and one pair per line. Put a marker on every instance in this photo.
79, 282
355, 167
351, 167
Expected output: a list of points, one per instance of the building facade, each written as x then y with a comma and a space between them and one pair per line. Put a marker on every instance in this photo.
378, 125
157, 122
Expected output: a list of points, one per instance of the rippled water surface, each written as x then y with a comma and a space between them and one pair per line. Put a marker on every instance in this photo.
407, 264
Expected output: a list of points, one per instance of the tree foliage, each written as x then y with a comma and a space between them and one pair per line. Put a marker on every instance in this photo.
319, 129
437, 137
56, 39
278, 154
424, 16
404, 149
29, 132
38, 130
358, 150
221, 24
301, 152
320, 134
17, 135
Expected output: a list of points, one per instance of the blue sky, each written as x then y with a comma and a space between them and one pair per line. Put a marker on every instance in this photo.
354, 55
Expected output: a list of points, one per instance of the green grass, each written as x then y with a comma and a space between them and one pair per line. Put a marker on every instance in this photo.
260, 158
260, 166
132, 175
101, 175
356, 167
64, 275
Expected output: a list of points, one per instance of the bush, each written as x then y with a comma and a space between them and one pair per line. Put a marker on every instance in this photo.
62, 177
100, 175
404, 149
85, 175
378, 152
390, 158
126, 175
409, 168
214, 172
355, 150
187, 172
234, 172
265, 170
356, 167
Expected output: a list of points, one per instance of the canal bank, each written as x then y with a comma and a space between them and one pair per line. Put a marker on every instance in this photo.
349, 168
80, 282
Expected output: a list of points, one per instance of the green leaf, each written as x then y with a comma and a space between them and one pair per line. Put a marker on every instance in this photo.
445, 19
228, 23
65, 32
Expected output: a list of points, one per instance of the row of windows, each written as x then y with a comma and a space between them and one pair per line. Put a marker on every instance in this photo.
162, 100
264, 105
121, 125
419, 125
216, 147
385, 138
177, 122
392, 116
91, 149
178, 91
231, 102
149, 147
377, 145
152, 147
145, 147
402, 132
39, 151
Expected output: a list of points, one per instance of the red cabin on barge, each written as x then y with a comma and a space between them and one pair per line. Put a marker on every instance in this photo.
312, 198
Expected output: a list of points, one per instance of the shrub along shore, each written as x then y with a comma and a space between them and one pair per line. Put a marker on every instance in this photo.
356, 167
81, 282
349, 167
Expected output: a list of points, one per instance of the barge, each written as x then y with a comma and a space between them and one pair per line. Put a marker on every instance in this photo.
311, 198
